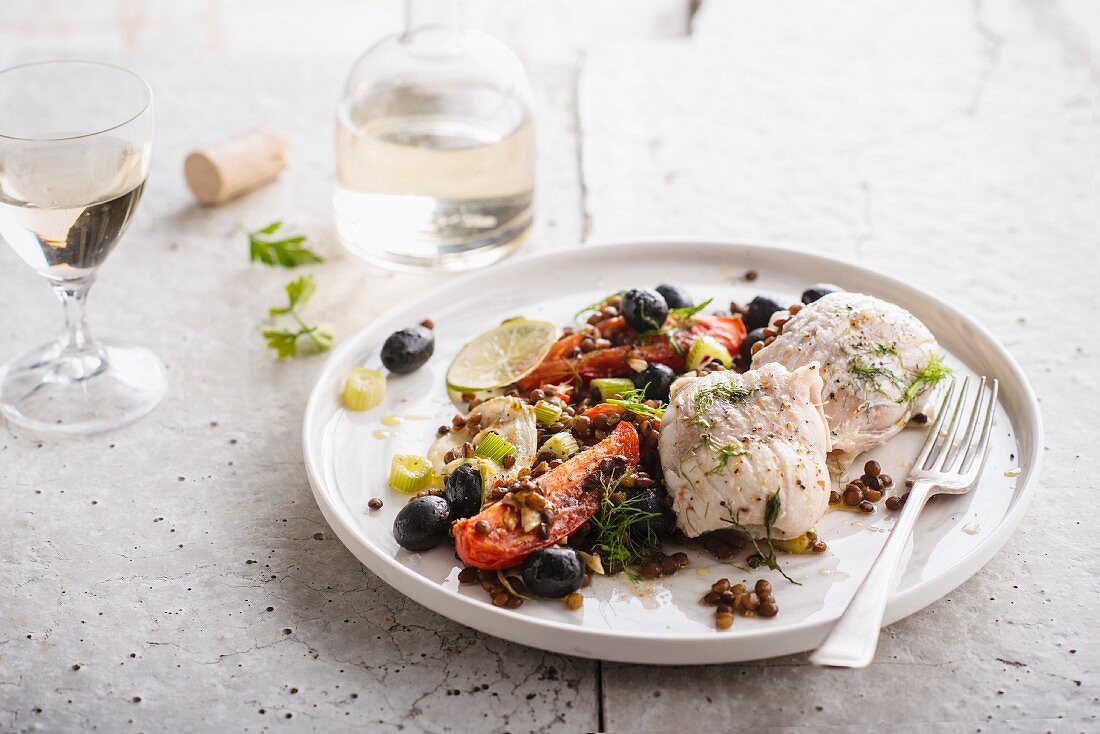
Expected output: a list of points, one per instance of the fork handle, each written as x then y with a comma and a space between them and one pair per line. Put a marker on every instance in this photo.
852, 641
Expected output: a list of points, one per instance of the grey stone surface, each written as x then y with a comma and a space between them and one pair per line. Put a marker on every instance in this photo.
951, 142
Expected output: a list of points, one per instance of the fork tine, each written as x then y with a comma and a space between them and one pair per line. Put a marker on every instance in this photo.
948, 438
945, 406
956, 453
943, 440
974, 460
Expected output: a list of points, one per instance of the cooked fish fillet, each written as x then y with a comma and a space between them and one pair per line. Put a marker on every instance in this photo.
878, 362
511, 418
731, 442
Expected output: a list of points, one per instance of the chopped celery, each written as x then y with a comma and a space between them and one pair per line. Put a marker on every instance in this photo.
493, 447
562, 445
609, 387
547, 413
707, 349
410, 473
364, 389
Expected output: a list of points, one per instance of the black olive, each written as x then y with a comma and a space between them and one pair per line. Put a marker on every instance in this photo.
815, 292
407, 350
553, 572
422, 524
759, 311
652, 500
463, 490
756, 335
675, 296
656, 379
644, 310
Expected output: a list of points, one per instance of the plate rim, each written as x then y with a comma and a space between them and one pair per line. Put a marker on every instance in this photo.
702, 648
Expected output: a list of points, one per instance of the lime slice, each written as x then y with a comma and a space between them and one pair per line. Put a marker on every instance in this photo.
501, 356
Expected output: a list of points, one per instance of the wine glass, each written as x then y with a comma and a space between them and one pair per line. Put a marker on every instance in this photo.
75, 143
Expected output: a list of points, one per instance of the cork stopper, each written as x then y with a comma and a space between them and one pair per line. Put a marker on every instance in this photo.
222, 171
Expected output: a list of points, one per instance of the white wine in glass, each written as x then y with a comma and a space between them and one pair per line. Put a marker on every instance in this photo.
75, 144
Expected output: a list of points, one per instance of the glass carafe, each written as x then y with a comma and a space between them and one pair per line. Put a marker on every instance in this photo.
435, 146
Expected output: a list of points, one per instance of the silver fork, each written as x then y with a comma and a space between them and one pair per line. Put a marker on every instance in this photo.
852, 641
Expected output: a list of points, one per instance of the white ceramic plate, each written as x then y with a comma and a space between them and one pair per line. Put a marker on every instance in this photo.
347, 456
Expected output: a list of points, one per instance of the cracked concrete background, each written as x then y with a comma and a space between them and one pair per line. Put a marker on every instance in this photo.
177, 576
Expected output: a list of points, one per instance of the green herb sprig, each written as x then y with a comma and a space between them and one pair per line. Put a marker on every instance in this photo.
284, 340
288, 252
926, 377
634, 401
723, 392
621, 540
724, 452
760, 558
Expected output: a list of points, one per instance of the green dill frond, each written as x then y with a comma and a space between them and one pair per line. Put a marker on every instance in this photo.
926, 378
618, 540
724, 452
598, 304
723, 392
634, 401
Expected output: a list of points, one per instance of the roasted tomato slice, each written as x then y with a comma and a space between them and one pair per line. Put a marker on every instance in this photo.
563, 487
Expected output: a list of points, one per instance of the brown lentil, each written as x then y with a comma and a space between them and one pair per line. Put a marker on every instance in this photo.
669, 567
374, 503
920, 419
866, 506
652, 570
873, 495
574, 601
872, 468
501, 599
467, 575
428, 324
442, 430
749, 601
751, 275
871, 481
711, 597
853, 496
458, 422
756, 347
723, 621
681, 559
819, 546
763, 586
886, 480
514, 602
481, 527
834, 497
768, 608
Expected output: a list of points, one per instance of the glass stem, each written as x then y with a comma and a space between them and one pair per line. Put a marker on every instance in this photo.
76, 338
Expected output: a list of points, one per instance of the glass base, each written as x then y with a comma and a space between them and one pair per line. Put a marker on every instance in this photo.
56, 390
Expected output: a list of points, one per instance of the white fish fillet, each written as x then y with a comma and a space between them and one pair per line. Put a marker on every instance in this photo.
724, 456
871, 353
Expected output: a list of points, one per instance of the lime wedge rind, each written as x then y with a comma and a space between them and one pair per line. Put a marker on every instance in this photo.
501, 356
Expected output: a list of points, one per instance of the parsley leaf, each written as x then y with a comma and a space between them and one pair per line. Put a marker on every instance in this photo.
284, 339
288, 252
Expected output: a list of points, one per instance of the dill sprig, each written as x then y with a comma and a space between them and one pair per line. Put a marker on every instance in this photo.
926, 377
596, 305
724, 392
760, 558
624, 535
724, 452
634, 401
